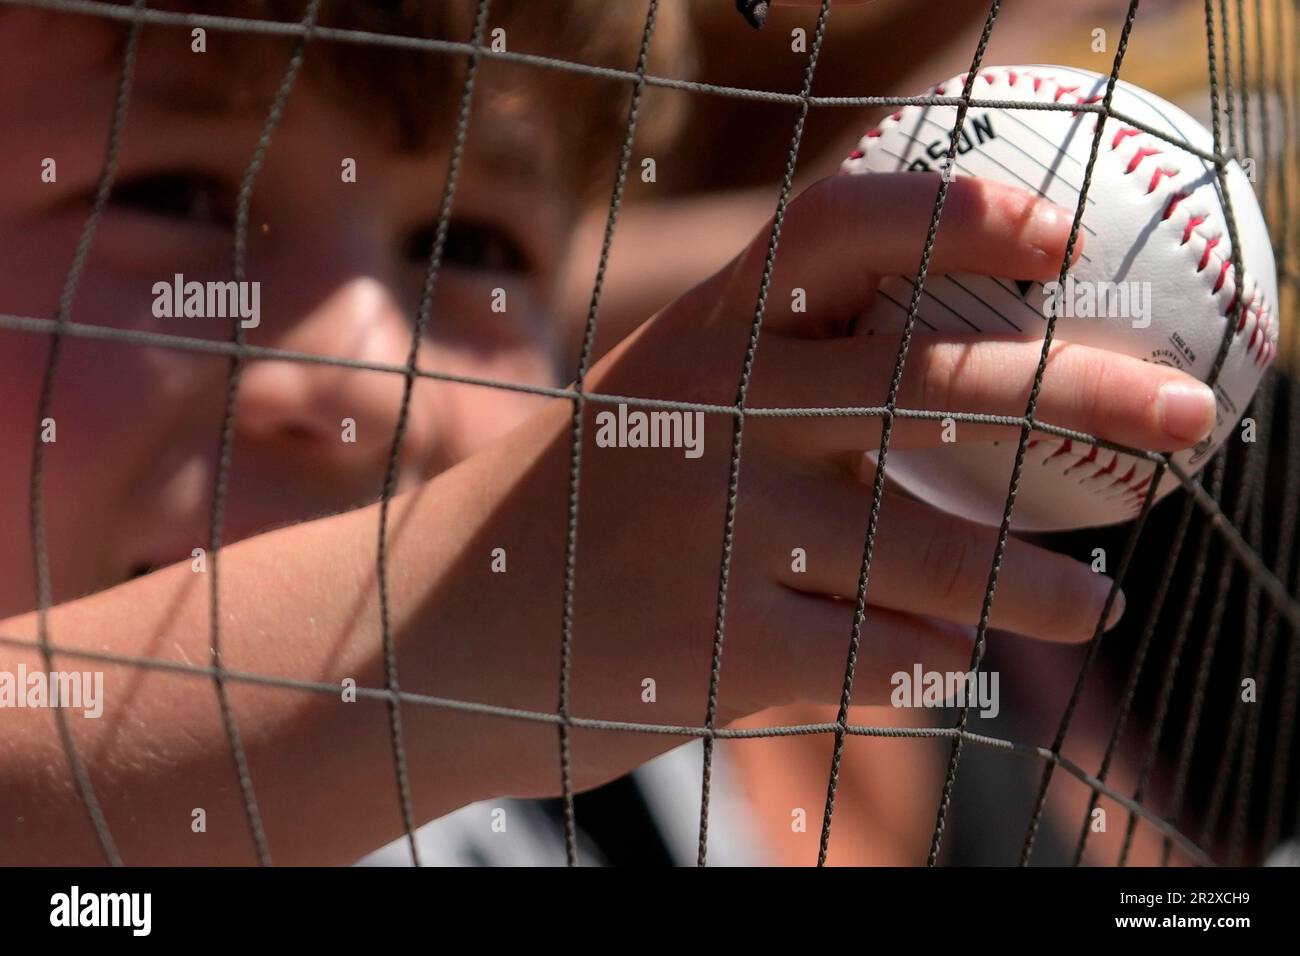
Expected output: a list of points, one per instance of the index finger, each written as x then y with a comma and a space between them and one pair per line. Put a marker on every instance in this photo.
843, 232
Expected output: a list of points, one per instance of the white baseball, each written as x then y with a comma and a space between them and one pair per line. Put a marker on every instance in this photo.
1154, 227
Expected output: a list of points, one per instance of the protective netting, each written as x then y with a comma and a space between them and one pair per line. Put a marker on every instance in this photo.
1219, 552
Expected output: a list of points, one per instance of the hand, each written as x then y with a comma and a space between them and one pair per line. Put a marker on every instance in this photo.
650, 531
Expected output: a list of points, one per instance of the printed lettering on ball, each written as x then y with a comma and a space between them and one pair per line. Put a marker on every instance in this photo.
1155, 279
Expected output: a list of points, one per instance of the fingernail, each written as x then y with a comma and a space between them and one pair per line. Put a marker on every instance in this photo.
1101, 585
1186, 410
1116, 610
1047, 229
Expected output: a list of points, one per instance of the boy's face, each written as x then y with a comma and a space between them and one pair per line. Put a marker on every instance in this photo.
128, 481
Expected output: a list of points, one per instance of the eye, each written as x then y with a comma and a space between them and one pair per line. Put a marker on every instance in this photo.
470, 245
188, 196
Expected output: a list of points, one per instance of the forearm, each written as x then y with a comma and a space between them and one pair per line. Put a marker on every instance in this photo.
299, 603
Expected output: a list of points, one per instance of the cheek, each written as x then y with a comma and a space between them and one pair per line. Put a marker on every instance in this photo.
93, 377
113, 402
107, 406
84, 468
108, 294
35, 265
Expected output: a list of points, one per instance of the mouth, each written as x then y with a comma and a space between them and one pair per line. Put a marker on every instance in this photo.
140, 570
148, 565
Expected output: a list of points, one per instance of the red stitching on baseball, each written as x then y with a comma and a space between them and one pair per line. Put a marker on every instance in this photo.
1192, 223
1259, 318
1090, 100
1109, 469
1174, 200
1087, 459
1223, 274
1157, 176
1125, 478
1122, 134
1209, 248
1142, 153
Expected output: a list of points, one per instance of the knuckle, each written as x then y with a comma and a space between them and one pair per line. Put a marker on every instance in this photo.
946, 561
967, 205
1092, 388
943, 362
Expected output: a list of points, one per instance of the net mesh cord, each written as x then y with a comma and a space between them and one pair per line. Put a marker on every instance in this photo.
1253, 80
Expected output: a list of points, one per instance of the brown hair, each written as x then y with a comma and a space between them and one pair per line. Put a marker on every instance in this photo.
412, 95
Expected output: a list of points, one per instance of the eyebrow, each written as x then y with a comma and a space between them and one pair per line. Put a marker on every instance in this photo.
209, 100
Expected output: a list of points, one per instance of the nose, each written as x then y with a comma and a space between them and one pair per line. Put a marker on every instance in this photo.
337, 418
